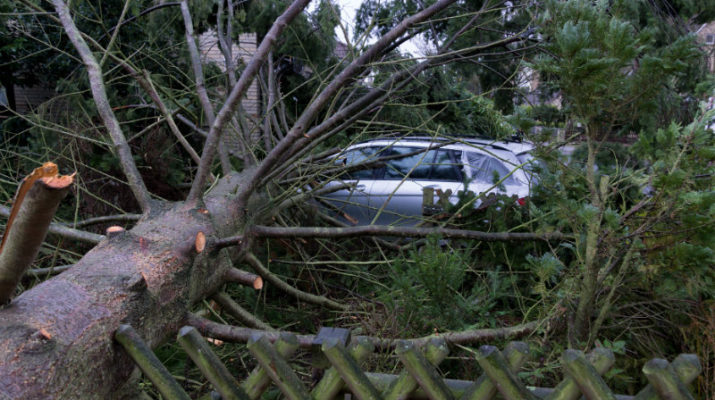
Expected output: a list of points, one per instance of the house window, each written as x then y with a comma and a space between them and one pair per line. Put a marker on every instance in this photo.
710, 39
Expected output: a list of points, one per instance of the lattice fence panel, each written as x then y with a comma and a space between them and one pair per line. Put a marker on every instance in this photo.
419, 379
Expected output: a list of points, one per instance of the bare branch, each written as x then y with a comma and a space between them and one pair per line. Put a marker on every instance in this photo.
75, 234
237, 92
103, 219
65, 231
136, 184
352, 70
240, 313
199, 77
400, 231
144, 80
43, 272
244, 278
236, 334
298, 294
191, 125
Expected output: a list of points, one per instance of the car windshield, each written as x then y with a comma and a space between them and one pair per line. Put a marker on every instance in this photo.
487, 169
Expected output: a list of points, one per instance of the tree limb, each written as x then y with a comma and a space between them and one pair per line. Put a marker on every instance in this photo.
244, 278
400, 231
235, 334
237, 92
25, 233
136, 184
195, 58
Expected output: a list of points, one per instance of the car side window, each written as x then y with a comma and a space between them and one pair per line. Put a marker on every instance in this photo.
417, 165
447, 166
358, 156
435, 165
487, 169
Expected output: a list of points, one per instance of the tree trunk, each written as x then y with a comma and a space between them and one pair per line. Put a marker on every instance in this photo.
56, 340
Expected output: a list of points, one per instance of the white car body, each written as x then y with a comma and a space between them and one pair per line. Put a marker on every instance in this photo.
393, 194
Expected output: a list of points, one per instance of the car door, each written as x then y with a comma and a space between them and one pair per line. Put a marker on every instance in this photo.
352, 205
396, 195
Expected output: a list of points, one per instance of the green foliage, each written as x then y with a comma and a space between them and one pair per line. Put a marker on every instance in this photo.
489, 76
612, 73
433, 289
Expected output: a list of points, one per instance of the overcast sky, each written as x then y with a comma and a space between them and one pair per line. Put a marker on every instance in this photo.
348, 8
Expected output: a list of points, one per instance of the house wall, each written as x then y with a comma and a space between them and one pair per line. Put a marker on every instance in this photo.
28, 98
242, 52
706, 36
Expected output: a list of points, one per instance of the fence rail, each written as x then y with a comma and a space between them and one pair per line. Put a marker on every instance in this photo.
419, 379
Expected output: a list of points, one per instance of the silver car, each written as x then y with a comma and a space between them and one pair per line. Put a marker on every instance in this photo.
387, 177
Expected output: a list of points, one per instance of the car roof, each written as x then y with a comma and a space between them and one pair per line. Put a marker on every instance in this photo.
515, 146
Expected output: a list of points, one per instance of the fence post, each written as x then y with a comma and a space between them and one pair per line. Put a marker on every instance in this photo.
587, 378
422, 371
349, 370
149, 364
257, 382
213, 369
516, 354
435, 351
497, 368
601, 358
330, 385
662, 376
277, 368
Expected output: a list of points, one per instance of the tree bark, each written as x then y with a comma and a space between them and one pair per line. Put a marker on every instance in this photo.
25, 233
56, 339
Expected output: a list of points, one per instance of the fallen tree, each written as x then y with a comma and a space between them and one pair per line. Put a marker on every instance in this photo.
56, 339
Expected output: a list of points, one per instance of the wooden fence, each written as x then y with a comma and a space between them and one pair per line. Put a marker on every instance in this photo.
419, 379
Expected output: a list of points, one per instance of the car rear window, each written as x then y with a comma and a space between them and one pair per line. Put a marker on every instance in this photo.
487, 169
